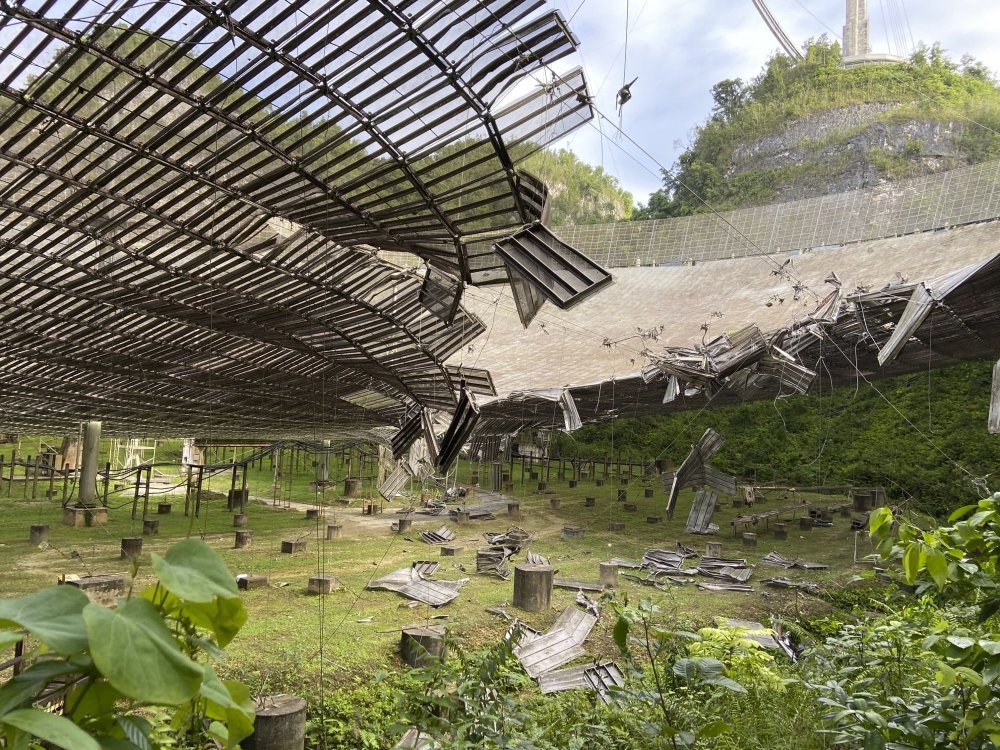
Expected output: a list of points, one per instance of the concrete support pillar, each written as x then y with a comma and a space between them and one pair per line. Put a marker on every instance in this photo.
421, 645
87, 491
533, 587
280, 724
609, 575
323, 464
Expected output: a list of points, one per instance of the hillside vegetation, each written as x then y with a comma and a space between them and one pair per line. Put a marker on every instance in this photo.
844, 437
881, 122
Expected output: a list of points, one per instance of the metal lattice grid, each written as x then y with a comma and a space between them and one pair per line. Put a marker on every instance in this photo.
193, 197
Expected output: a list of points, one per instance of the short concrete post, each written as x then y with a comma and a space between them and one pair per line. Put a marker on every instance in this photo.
652, 519
352, 487
554, 503
572, 532
320, 585
508, 487
805, 523
131, 547
463, 518
622, 495
598, 482
39, 533
713, 549
572, 484
404, 524
749, 539
533, 587
630, 507
826, 514
312, 514
781, 531
450, 550
244, 539
163, 509
87, 492
609, 575
291, 546
239, 520
333, 531
648, 492
280, 724
542, 486
616, 525
590, 502
420, 645
150, 527
845, 511
514, 510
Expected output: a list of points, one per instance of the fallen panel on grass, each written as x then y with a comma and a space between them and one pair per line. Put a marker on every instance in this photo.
411, 584
589, 605
776, 560
533, 558
494, 560
742, 587
781, 582
726, 573
568, 583
560, 645
426, 568
558, 680
602, 678
621, 562
722, 562
548, 652
575, 622
656, 560
513, 538
441, 536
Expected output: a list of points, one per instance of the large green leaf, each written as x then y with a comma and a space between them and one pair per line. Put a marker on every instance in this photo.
937, 566
228, 702
137, 653
52, 615
911, 562
18, 691
223, 617
194, 572
57, 730
620, 634
95, 703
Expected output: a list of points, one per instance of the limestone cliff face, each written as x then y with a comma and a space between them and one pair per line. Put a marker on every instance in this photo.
858, 146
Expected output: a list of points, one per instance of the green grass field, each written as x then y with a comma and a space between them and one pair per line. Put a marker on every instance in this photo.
357, 630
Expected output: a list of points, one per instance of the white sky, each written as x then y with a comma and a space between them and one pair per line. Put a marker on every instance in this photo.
680, 48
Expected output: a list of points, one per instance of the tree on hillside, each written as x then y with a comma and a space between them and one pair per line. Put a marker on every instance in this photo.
578, 192
929, 87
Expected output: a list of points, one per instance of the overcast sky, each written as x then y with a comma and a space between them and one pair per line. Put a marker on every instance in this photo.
680, 48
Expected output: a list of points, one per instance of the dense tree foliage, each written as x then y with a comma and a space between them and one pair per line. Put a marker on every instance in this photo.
845, 436
578, 192
930, 86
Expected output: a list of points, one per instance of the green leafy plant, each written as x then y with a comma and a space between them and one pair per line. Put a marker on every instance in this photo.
128, 672
665, 674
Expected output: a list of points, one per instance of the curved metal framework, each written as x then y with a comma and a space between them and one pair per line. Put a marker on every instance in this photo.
193, 197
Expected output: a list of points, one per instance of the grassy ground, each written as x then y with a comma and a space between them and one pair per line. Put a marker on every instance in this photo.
358, 630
